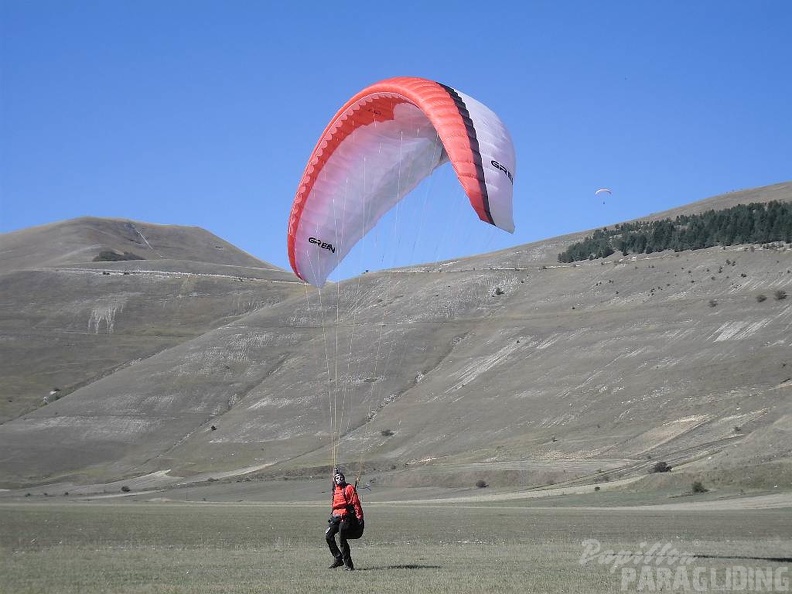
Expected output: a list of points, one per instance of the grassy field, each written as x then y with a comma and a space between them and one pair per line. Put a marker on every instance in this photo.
257, 547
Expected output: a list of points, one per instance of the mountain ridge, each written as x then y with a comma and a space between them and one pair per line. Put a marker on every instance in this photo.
83, 239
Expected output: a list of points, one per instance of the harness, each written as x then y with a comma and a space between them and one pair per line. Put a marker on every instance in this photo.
352, 527
349, 507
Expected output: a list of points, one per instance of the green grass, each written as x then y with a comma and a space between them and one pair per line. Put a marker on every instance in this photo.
202, 548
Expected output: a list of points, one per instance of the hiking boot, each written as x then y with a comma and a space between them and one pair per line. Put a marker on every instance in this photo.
349, 567
336, 563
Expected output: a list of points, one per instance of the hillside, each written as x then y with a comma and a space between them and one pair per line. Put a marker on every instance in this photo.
68, 320
507, 367
82, 240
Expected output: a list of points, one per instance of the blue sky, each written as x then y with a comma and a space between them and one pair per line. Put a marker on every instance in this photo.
204, 112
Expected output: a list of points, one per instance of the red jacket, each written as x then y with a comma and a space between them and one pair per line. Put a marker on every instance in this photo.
343, 497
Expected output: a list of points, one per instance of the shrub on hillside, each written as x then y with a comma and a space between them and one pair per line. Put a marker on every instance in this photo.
660, 467
698, 487
111, 256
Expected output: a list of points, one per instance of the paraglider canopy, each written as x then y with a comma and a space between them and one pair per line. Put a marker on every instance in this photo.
377, 148
602, 192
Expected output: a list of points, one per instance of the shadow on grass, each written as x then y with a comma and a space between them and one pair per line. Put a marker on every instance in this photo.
745, 557
402, 566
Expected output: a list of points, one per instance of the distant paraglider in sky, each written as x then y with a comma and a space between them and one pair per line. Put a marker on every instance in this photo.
377, 148
603, 192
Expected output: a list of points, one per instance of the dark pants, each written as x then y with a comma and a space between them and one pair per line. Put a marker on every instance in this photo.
343, 528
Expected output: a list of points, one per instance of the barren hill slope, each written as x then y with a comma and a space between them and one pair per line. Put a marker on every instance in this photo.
79, 241
507, 366
67, 320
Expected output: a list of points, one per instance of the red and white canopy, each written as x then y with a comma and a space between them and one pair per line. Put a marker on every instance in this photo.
377, 148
